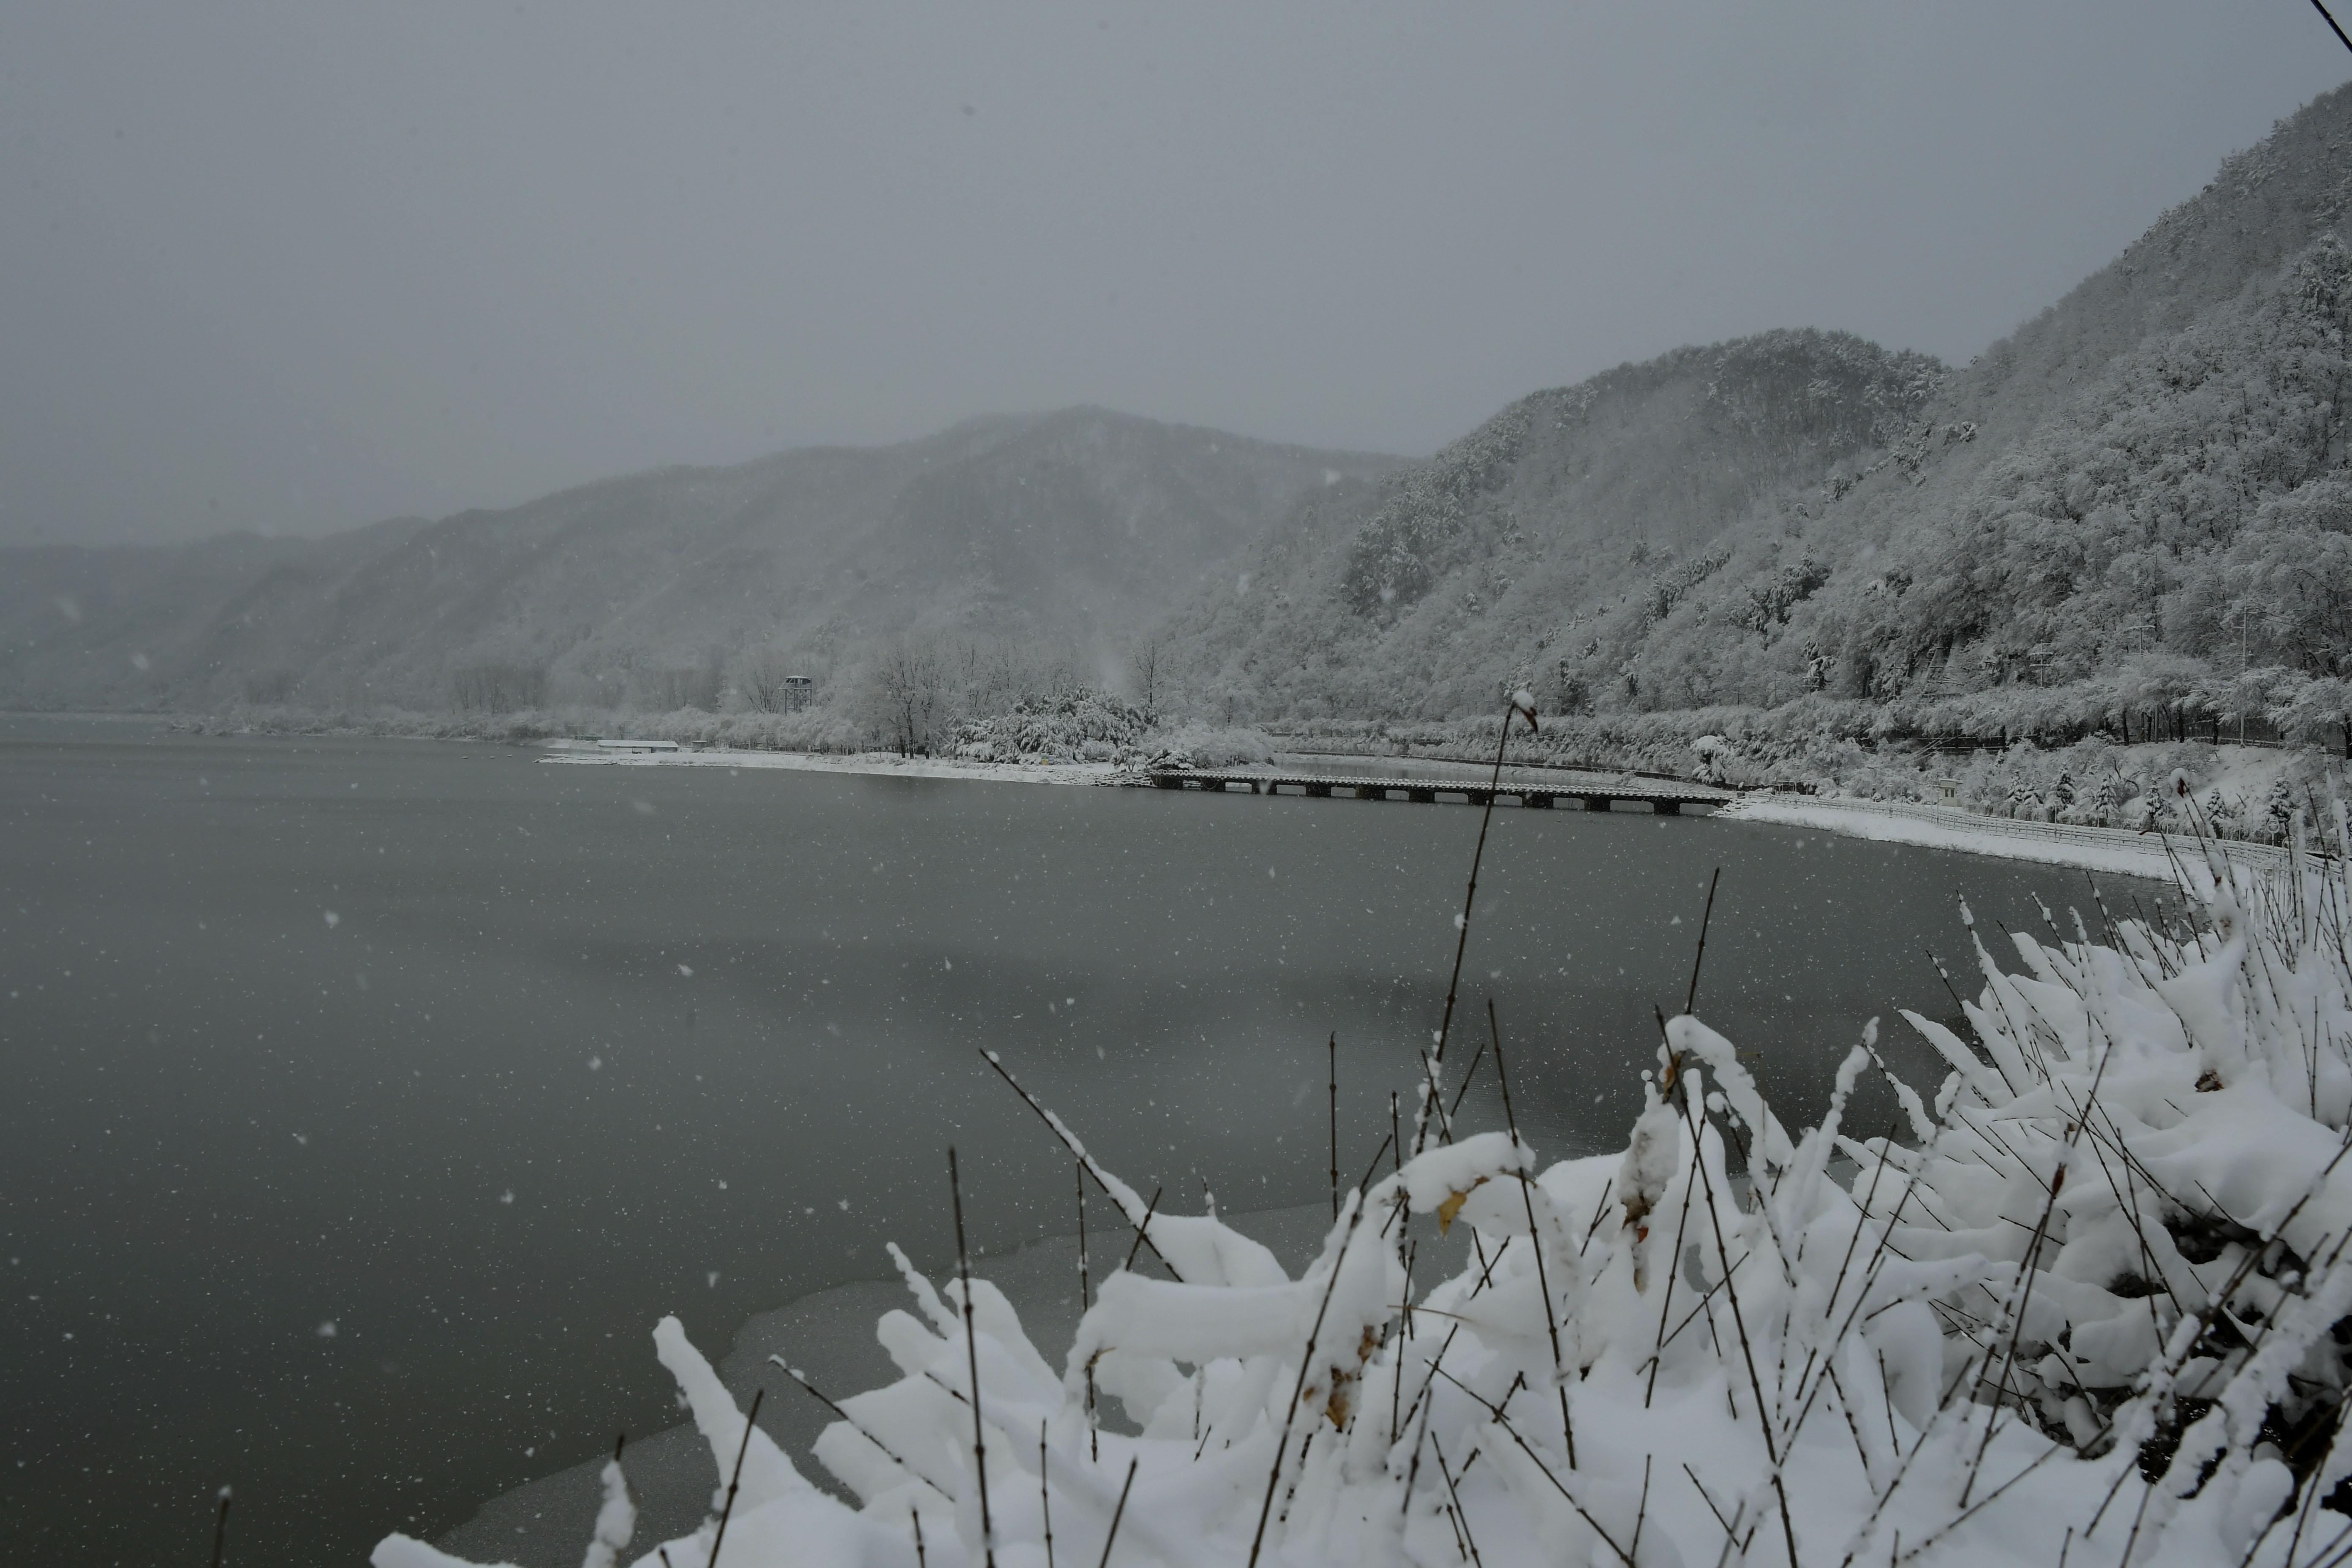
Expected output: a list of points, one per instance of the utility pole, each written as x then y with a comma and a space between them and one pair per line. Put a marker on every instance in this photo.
2238, 612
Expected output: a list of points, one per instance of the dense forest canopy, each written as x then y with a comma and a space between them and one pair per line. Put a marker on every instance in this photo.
2140, 500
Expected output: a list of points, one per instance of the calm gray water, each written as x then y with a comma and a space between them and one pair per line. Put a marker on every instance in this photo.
488, 1064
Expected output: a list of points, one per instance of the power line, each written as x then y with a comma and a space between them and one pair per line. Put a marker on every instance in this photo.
2320, 7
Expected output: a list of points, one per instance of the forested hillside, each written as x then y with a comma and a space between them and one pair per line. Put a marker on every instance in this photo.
2134, 509
1417, 594
673, 588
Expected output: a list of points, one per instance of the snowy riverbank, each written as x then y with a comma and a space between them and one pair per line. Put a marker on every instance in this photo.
2109, 849
2113, 851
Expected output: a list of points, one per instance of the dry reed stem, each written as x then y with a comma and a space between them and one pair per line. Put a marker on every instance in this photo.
971, 1348
735, 1482
1143, 1235
1690, 1002
1045, 1495
855, 1425
1747, 1349
1117, 1513
1535, 1239
1503, 1419
1334, 1048
1463, 1514
1053, 1124
1306, 1365
1462, 932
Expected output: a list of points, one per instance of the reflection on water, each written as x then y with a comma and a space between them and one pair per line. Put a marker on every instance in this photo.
371, 1099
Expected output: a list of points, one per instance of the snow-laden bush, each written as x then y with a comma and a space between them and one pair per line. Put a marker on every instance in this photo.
1833, 747
1197, 745
1079, 724
2093, 1306
2254, 794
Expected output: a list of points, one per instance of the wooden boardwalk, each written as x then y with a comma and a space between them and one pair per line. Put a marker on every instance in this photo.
1596, 793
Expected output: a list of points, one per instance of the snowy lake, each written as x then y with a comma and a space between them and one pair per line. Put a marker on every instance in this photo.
369, 1101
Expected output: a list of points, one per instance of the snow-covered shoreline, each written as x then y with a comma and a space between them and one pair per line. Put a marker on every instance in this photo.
2116, 850
2113, 851
880, 764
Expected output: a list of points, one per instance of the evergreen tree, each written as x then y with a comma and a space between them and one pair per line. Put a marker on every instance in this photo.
2106, 801
2280, 810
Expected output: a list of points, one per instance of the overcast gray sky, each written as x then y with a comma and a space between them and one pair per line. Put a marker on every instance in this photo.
298, 266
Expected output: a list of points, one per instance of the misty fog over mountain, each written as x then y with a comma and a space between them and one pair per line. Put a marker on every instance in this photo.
2133, 500
1066, 531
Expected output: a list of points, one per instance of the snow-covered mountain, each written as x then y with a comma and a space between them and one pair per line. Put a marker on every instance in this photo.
1417, 593
1070, 528
2141, 493
2138, 503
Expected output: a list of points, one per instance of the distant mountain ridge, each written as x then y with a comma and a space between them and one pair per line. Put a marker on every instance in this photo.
2140, 498
2138, 503
1074, 527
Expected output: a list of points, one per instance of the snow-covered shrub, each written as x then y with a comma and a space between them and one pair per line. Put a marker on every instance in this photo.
2102, 803
2023, 803
1080, 723
2280, 811
2093, 1303
1876, 752
1194, 745
2221, 817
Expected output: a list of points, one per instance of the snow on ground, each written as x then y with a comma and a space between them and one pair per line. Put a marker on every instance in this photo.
2110, 849
886, 765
